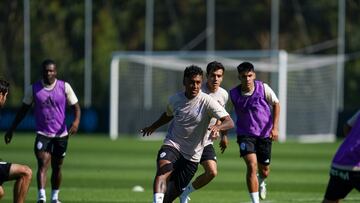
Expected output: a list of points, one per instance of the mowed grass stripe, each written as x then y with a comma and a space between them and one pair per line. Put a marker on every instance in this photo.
98, 170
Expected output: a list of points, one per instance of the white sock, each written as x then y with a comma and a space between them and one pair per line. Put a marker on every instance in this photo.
55, 194
158, 197
189, 189
255, 197
42, 194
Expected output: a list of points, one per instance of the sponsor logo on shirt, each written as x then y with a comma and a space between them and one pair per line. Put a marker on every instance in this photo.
341, 174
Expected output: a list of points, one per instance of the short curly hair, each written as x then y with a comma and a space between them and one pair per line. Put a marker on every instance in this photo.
191, 71
47, 62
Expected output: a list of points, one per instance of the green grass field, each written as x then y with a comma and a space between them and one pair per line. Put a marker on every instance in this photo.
98, 170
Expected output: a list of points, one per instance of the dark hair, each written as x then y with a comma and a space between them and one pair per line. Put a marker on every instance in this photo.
47, 62
192, 70
214, 66
245, 66
4, 86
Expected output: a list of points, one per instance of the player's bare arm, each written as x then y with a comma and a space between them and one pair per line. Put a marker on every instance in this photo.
223, 138
223, 141
164, 119
226, 124
19, 117
75, 124
274, 134
215, 136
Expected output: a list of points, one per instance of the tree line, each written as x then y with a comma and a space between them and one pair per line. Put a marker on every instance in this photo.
57, 32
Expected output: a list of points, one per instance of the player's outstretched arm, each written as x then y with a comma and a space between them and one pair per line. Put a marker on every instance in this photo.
75, 124
18, 118
164, 119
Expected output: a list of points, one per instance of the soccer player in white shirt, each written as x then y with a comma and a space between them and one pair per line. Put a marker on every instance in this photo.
214, 73
190, 112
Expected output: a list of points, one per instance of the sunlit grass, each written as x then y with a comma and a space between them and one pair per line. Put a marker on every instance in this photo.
98, 170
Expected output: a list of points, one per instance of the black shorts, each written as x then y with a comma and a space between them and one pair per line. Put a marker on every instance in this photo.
183, 169
4, 171
55, 146
259, 145
341, 183
208, 153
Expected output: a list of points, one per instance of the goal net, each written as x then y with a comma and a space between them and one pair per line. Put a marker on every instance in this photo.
140, 85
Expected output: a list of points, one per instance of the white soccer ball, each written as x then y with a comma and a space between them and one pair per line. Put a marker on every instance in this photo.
138, 188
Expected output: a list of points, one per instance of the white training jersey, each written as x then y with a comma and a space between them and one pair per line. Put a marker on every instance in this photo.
70, 94
190, 121
221, 96
270, 95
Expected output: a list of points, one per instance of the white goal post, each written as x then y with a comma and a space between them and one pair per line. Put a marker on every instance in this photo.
140, 85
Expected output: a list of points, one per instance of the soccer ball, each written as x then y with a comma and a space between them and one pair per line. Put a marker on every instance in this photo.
137, 188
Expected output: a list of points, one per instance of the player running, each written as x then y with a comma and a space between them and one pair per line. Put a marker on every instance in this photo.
215, 74
345, 167
190, 112
256, 127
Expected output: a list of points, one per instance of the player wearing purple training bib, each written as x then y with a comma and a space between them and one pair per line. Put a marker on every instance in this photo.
255, 127
50, 97
345, 167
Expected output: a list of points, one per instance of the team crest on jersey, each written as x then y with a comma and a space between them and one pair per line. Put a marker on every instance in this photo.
242, 146
39, 145
163, 154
